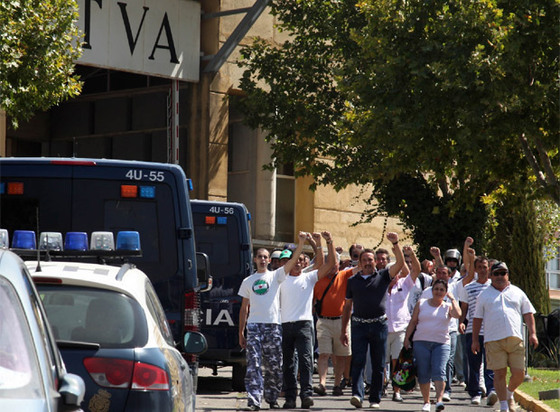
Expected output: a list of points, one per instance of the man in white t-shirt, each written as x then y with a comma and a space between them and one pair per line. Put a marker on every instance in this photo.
263, 344
296, 308
503, 307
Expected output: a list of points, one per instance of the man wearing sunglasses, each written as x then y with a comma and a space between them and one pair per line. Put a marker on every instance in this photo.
501, 307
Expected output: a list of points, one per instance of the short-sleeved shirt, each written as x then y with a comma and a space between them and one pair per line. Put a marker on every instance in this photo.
333, 302
502, 312
433, 322
296, 297
368, 293
398, 315
451, 287
262, 291
471, 293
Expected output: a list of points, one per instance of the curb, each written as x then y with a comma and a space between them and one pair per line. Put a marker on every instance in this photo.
531, 404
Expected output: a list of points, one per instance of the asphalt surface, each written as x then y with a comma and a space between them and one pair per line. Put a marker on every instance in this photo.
215, 394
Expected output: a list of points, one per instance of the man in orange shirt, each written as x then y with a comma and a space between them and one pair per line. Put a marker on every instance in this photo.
329, 324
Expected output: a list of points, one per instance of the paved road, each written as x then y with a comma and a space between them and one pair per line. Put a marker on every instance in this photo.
215, 394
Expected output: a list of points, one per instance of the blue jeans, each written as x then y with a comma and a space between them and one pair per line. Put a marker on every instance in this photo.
374, 334
431, 360
450, 367
298, 336
465, 355
474, 369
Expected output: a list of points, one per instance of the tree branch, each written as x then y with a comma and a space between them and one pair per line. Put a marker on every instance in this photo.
532, 160
545, 161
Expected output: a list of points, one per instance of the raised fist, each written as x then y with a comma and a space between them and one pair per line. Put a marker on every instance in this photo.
392, 237
469, 241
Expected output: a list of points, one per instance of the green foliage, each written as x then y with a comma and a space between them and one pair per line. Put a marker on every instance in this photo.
37, 53
428, 216
461, 92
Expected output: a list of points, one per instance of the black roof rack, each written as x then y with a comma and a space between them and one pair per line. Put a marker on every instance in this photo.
91, 256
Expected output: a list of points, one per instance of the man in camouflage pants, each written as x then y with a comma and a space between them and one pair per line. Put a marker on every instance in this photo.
263, 343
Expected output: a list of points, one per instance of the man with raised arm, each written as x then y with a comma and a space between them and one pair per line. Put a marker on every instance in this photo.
296, 309
366, 294
263, 343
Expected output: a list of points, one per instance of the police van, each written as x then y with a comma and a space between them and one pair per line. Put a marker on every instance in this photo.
223, 233
88, 195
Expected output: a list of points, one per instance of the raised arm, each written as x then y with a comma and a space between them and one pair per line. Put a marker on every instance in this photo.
469, 262
468, 243
327, 268
396, 268
416, 267
295, 256
315, 241
434, 251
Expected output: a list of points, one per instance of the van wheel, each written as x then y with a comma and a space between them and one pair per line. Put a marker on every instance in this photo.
238, 377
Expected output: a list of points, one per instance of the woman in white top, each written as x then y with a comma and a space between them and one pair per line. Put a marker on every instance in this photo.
430, 325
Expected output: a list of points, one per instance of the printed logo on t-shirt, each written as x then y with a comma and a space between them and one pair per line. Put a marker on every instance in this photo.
260, 287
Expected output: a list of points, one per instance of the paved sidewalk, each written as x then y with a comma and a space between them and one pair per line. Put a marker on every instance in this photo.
215, 394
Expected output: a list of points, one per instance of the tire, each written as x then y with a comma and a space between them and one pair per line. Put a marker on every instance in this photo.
238, 377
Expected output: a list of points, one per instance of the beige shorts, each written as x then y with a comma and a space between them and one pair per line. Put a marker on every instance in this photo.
505, 352
395, 342
328, 337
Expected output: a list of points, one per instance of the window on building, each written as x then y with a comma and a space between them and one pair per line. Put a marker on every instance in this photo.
285, 203
553, 271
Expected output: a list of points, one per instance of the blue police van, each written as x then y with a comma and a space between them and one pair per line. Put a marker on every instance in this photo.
223, 233
88, 195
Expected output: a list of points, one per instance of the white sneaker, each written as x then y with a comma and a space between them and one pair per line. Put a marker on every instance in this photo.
426, 407
475, 400
374, 405
356, 401
432, 387
446, 397
440, 406
492, 398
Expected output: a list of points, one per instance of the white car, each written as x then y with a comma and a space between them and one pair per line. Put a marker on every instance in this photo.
112, 331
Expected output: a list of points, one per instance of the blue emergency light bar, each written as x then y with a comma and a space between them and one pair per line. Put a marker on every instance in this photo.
73, 241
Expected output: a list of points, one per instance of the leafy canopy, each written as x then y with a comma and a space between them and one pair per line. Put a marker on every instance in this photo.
463, 92
37, 53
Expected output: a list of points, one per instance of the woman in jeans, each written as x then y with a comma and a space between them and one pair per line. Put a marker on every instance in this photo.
430, 322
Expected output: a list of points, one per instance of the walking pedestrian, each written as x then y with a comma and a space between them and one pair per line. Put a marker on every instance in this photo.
366, 294
430, 324
503, 307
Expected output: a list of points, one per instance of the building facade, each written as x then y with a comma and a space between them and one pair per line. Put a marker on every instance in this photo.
129, 110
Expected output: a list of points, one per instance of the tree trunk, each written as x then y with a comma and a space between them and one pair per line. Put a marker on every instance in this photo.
518, 242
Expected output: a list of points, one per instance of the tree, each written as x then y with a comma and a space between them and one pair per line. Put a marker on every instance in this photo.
38, 47
463, 93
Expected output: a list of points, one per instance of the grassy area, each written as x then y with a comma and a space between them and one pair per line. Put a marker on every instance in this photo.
543, 379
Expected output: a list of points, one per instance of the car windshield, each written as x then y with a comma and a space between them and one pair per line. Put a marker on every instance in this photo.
101, 316
19, 369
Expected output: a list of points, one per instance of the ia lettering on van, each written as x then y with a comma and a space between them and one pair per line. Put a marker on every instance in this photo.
223, 317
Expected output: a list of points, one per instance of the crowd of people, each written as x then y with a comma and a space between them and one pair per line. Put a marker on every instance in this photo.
463, 323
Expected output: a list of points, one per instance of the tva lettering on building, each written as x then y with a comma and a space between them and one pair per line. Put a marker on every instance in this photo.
153, 37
